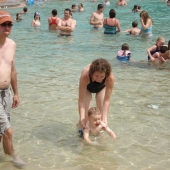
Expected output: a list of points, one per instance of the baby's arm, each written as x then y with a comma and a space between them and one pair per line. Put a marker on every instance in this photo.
86, 134
155, 55
108, 130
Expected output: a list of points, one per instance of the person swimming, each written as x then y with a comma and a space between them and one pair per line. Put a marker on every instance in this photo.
124, 55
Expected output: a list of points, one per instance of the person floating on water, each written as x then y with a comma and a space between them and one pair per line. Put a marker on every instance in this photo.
124, 55
95, 126
18, 17
134, 30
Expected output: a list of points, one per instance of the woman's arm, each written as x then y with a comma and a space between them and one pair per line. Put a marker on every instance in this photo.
106, 102
148, 23
153, 48
33, 21
82, 93
118, 26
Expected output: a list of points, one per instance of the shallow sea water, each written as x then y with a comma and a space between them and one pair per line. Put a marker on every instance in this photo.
44, 125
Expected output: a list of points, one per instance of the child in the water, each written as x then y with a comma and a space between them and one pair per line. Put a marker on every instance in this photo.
95, 125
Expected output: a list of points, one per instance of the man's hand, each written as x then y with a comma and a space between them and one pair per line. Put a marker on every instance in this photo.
15, 101
100, 23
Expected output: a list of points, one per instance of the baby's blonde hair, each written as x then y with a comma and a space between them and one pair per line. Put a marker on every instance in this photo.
93, 111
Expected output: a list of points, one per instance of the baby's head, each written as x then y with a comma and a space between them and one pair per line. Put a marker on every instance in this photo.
94, 116
163, 49
125, 46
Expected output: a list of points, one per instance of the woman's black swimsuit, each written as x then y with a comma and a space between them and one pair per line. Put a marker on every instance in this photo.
95, 87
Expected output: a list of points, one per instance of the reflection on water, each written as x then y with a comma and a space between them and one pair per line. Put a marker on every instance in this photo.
48, 67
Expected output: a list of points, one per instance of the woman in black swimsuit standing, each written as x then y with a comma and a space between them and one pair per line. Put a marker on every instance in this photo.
98, 78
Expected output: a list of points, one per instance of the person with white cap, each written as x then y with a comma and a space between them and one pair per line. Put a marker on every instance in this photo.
8, 79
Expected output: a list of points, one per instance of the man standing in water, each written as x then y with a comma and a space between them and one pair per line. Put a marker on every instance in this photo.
8, 78
66, 25
97, 17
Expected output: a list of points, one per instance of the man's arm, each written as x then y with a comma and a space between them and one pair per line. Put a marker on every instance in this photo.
14, 86
67, 29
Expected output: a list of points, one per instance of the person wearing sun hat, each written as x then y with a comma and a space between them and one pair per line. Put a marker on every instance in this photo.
5, 16
8, 80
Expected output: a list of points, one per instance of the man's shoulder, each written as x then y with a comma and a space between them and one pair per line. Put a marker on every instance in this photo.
10, 41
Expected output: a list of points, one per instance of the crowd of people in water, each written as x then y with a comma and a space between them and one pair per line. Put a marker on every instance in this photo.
111, 25
96, 77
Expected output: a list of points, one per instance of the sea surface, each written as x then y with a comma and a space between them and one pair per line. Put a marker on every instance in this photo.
48, 69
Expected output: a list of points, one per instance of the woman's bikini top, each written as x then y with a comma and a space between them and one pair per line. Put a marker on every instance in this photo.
147, 31
53, 21
37, 23
95, 87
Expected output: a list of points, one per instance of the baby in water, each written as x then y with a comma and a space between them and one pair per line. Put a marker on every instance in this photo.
95, 125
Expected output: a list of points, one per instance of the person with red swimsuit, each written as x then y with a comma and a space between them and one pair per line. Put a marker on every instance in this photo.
53, 21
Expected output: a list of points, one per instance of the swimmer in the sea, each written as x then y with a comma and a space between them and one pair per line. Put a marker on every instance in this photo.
134, 30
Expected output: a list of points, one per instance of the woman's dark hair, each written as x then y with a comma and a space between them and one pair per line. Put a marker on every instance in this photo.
81, 4
54, 12
100, 65
36, 13
112, 13
169, 45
